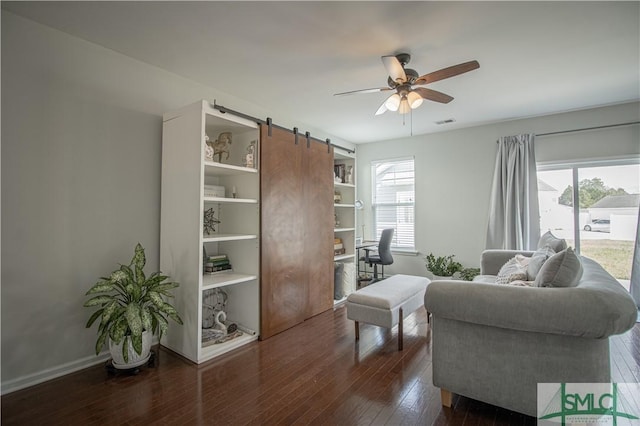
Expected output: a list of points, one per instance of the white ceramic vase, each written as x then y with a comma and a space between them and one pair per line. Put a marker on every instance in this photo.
135, 360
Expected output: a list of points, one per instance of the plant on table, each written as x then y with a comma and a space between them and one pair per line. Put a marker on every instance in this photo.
443, 266
130, 303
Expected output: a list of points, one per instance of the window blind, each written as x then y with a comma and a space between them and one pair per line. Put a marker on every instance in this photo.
394, 200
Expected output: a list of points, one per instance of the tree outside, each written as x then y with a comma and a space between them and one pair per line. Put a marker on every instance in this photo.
590, 191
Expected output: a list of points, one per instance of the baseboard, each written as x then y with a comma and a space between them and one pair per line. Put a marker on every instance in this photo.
52, 373
58, 371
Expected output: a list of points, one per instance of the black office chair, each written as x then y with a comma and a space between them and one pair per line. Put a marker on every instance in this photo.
383, 256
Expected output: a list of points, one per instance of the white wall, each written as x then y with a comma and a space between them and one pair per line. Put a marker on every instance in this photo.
81, 146
81, 166
454, 171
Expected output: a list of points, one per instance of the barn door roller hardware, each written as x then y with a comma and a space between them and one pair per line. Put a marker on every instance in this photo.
269, 123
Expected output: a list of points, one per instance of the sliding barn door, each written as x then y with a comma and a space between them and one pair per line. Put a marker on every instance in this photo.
283, 291
296, 193
318, 227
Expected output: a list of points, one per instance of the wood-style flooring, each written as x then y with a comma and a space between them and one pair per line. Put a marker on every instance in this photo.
310, 374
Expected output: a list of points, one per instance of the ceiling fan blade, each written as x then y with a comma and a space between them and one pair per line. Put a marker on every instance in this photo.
447, 72
383, 108
433, 95
394, 69
374, 90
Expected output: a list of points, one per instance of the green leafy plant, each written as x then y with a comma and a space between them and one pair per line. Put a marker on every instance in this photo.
468, 274
130, 303
443, 266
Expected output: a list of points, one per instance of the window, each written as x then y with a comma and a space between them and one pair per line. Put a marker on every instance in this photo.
601, 223
394, 201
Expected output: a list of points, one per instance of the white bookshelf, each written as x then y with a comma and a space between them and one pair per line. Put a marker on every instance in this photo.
185, 172
345, 213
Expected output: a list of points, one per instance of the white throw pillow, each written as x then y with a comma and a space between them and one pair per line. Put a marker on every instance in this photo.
514, 269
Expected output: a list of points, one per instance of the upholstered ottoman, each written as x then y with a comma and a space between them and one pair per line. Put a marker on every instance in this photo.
386, 303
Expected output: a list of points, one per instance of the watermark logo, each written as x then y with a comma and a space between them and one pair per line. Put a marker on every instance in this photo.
589, 403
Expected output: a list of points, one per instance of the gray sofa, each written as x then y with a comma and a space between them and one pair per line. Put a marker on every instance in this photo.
495, 342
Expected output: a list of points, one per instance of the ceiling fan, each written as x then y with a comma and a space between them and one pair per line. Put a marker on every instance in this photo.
402, 80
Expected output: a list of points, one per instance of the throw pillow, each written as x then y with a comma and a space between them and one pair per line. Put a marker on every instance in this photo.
514, 269
548, 239
563, 269
537, 260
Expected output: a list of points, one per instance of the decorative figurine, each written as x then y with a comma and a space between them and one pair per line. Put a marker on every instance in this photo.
209, 222
214, 302
208, 149
221, 146
349, 174
249, 157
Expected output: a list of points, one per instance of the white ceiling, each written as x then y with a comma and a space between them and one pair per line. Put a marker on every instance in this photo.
535, 58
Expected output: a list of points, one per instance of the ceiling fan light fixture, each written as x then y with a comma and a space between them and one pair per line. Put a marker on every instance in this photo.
404, 107
414, 99
393, 102
402, 80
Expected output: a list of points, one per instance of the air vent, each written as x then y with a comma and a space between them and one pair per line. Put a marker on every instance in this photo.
447, 121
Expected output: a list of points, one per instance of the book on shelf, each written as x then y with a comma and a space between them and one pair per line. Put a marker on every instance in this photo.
339, 172
338, 246
216, 271
339, 252
214, 191
217, 257
216, 263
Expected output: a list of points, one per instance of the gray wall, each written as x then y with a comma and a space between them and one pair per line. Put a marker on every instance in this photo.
454, 172
81, 166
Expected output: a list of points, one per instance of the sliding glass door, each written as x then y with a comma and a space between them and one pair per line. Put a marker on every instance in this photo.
595, 207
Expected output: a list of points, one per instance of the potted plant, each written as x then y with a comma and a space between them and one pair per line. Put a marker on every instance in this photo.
442, 267
468, 274
131, 310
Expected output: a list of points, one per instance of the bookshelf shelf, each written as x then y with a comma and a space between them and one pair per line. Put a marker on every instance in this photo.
221, 279
344, 257
228, 237
344, 229
344, 185
221, 169
210, 350
231, 200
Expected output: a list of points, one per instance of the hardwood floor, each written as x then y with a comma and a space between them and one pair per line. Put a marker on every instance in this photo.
310, 374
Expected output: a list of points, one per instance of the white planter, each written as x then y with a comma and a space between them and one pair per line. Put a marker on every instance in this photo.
135, 360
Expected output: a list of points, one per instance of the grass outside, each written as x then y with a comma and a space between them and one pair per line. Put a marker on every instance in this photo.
614, 255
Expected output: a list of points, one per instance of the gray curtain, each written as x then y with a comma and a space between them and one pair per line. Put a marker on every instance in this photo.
514, 216
635, 269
